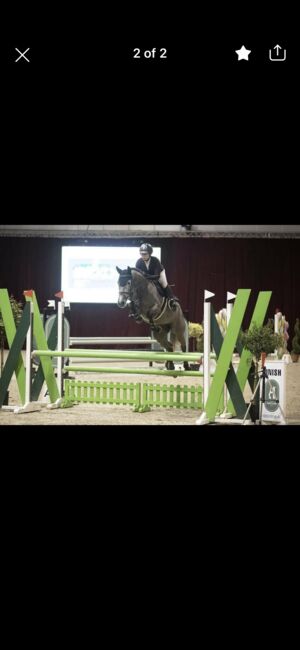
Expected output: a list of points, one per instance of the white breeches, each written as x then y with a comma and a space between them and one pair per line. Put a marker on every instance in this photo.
163, 279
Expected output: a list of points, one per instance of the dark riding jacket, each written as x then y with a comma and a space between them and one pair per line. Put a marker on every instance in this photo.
155, 266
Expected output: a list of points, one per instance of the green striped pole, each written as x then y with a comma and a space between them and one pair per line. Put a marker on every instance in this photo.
109, 354
134, 371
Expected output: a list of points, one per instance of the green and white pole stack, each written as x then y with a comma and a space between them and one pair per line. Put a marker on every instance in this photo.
60, 344
206, 344
229, 305
28, 361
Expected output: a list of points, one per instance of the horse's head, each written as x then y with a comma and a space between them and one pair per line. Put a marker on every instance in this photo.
124, 284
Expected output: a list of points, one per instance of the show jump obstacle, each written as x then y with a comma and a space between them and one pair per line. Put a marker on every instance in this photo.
225, 375
61, 390
222, 391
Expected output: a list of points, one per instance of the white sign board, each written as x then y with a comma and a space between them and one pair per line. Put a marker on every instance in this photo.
275, 392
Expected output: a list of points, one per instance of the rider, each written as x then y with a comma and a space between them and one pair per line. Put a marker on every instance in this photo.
151, 265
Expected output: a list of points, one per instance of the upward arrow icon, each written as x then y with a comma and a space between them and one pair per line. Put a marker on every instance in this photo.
280, 56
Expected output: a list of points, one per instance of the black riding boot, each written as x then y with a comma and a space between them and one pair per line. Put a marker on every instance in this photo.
169, 294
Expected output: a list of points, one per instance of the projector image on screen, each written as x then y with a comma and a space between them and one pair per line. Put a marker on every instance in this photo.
88, 273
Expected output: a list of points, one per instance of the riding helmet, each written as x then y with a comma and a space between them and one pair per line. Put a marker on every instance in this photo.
146, 248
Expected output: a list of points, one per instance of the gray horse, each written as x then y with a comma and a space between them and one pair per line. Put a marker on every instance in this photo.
137, 287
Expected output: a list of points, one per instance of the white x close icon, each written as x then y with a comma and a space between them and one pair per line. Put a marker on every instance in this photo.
22, 55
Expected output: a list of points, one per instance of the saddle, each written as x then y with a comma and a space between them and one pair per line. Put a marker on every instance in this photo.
168, 300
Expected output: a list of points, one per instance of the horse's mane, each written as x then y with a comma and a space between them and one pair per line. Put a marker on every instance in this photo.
147, 276
141, 276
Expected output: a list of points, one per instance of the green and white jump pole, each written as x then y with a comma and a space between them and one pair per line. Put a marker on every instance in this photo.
206, 344
116, 354
60, 344
229, 305
28, 362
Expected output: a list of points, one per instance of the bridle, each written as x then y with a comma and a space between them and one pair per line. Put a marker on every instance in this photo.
122, 290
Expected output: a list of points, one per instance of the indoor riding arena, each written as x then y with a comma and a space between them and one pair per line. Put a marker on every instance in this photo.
176, 325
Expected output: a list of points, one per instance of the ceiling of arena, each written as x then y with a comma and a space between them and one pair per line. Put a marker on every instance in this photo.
122, 231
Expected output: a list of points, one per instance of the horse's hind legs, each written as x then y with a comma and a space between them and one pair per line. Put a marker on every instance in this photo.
179, 340
183, 346
161, 336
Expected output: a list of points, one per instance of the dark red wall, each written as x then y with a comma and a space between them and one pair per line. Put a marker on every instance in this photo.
192, 265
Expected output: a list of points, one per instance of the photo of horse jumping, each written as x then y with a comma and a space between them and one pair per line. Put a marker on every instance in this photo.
164, 320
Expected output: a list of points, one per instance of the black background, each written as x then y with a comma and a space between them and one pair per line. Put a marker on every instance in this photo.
199, 131
94, 45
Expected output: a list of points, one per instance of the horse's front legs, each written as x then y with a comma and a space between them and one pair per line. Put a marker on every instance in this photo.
152, 313
135, 305
161, 335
